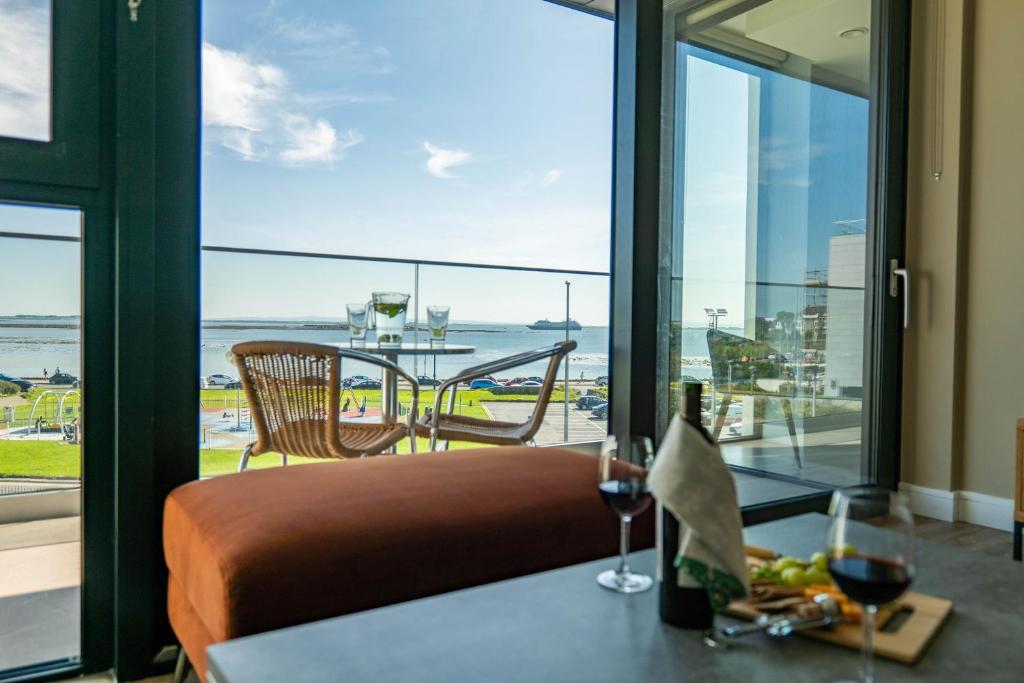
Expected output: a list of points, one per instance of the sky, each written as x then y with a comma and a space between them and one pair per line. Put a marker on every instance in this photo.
457, 130
469, 131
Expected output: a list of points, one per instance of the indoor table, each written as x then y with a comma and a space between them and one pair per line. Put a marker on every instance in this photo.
561, 626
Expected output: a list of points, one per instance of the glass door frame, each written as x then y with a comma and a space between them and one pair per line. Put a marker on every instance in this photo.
67, 171
641, 251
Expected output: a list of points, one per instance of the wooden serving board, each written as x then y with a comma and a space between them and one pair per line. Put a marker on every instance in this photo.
905, 644
904, 628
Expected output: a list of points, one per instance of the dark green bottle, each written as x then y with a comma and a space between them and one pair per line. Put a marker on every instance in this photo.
682, 607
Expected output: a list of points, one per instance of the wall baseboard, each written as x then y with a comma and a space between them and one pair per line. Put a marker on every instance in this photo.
960, 506
933, 503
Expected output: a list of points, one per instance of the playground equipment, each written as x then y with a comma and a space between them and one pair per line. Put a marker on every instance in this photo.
54, 412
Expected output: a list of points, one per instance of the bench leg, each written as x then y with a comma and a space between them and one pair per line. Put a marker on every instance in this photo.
181, 668
1018, 532
787, 408
244, 462
720, 417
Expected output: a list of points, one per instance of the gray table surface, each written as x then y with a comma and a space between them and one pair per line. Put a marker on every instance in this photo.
560, 626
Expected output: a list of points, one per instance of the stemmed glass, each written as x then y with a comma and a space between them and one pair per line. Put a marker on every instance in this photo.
870, 554
623, 487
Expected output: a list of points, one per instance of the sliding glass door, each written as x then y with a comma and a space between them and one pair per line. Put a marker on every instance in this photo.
772, 164
55, 323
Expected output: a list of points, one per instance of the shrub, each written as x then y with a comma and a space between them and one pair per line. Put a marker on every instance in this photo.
9, 388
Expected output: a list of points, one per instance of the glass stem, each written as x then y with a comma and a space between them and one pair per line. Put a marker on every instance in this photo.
624, 545
867, 660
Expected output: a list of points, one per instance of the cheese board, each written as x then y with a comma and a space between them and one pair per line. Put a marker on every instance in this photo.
905, 627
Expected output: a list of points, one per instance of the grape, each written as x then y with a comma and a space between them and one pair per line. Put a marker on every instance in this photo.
784, 563
818, 576
819, 561
794, 576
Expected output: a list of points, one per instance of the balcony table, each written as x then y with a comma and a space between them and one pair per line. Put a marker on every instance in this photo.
389, 380
560, 626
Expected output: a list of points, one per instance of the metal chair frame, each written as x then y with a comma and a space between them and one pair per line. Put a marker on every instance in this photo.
556, 353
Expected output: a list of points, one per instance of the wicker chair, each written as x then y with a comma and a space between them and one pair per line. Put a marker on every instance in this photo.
294, 392
448, 426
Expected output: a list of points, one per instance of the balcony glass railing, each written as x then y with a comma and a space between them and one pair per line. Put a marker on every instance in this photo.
258, 295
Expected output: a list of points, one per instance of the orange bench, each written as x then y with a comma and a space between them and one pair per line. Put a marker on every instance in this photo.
266, 549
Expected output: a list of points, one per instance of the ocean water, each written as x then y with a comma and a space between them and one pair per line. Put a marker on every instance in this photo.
28, 345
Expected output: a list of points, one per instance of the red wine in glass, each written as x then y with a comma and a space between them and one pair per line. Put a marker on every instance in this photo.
627, 498
870, 580
622, 483
870, 554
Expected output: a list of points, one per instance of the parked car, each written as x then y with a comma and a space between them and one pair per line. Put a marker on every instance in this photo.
23, 384
736, 428
237, 384
589, 402
601, 411
354, 380
366, 384
219, 379
425, 381
63, 378
539, 380
483, 383
515, 382
531, 383
601, 381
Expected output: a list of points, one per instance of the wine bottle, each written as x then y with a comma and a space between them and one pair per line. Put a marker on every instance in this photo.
681, 606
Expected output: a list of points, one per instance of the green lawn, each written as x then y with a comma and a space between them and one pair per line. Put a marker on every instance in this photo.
31, 458
41, 458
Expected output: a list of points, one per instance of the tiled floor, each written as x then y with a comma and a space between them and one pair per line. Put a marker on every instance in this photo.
40, 574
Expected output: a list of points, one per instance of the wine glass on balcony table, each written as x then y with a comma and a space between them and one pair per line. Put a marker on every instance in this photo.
870, 554
623, 487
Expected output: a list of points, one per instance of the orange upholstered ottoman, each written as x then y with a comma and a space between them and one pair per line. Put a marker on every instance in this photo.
267, 549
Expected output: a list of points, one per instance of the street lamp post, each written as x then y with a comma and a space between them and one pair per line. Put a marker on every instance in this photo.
565, 419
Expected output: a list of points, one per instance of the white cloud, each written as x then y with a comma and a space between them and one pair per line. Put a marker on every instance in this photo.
314, 142
248, 109
24, 69
551, 177
442, 159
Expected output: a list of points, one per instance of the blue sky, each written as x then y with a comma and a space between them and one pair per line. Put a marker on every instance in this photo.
471, 131
456, 130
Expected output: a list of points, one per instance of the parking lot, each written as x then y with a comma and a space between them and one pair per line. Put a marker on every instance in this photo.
583, 426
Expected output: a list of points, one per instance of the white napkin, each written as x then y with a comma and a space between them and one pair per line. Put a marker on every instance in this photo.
692, 481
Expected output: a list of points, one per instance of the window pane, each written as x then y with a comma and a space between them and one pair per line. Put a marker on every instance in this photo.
417, 135
25, 69
41, 433
768, 179
53, 221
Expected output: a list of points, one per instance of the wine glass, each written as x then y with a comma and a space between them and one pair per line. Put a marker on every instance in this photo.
870, 554
623, 487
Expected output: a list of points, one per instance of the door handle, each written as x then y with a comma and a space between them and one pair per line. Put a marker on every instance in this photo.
895, 274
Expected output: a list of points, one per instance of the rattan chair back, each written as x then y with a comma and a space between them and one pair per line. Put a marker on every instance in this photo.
294, 391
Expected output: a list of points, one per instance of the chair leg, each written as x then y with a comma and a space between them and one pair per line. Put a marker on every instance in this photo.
181, 667
720, 417
787, 408
432, 445
284, 459
1018, 533
244, 462
412, 439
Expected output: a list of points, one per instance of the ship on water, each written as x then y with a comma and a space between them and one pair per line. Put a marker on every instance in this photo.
546, 324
